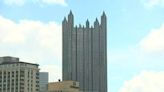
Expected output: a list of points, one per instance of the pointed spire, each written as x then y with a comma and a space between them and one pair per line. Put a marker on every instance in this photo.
65, 20
103, 13
97, 20
87, 23
70, 13
103, 19
103, 16
71, 20
96, 23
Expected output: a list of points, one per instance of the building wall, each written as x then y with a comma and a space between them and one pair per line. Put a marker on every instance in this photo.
64, 86
85, 54
43, 81
19, 77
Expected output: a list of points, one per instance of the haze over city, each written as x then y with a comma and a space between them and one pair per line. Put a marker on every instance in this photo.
32, 31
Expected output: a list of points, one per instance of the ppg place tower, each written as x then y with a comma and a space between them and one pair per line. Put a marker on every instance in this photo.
84, 56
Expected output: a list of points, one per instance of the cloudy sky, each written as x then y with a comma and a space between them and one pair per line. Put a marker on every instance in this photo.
31, 30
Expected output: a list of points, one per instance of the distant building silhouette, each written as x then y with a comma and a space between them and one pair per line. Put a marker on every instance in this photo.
43, 81
85, 54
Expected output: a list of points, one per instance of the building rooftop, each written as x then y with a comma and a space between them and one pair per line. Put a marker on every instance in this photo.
65, 86
12, 60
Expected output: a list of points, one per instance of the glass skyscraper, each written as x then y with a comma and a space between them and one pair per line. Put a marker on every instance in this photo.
85, 53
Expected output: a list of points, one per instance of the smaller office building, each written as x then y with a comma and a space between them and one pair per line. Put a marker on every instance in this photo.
63, 86
18, 76
43, 81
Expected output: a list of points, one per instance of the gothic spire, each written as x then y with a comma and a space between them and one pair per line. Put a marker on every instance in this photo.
103, 19
70, 13
87, 23
104, 14
64, 19
71, 20
96, 23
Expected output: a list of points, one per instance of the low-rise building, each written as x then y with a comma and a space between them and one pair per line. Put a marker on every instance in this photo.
63, 86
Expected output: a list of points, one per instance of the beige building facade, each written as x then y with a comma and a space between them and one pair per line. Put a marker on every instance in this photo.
17, 76
64, 86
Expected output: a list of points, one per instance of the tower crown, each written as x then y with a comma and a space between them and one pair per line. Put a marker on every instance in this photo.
70, 21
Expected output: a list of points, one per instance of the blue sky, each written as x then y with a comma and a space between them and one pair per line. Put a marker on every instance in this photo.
31, 30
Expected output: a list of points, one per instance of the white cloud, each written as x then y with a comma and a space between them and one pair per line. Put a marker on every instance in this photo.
147, 81
14, 2
32, 41
45, 35
8, 34
153, 3
42, 2
61, 2
154, 41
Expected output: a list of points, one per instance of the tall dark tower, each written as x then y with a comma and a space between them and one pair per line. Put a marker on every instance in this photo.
85, 53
